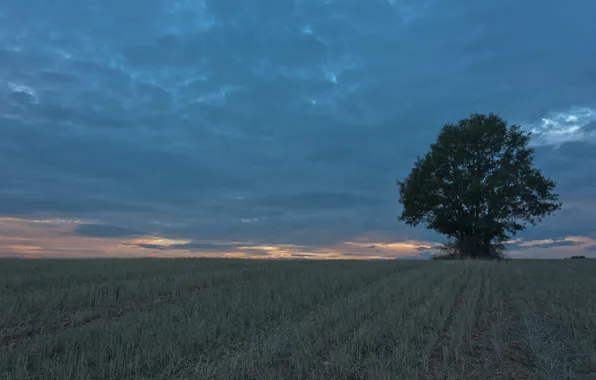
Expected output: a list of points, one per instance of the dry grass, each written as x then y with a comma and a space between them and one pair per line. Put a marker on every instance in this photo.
240, 319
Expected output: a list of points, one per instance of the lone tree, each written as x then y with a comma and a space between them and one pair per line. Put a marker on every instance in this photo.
477, 185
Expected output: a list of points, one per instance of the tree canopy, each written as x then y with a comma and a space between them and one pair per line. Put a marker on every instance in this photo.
478, 186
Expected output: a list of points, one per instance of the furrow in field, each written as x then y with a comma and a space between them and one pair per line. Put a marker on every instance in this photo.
135, 298
553, 327
483, 355
303, 347
385, 346
484, 330
199, 329
520, 356
436, 335
447, 358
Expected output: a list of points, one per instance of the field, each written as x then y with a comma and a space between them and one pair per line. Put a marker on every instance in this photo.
241, 319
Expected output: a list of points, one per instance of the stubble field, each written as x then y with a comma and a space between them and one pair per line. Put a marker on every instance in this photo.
241, 319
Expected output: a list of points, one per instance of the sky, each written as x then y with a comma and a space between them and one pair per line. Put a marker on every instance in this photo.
276, 128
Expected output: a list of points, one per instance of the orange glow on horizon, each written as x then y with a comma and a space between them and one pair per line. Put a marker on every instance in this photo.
56, 238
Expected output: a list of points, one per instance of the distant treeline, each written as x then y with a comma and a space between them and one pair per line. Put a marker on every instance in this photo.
454, 257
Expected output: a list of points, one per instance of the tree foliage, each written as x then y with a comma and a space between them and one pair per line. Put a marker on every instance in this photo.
478, 186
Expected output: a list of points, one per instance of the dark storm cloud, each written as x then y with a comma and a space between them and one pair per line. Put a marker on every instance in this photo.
564, 243
105, 231
204, 246
195, 246
561, 243
281, 122
426, 249
152, 246
354, 254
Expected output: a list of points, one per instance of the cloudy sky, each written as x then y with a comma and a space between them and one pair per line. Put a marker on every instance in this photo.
275, 128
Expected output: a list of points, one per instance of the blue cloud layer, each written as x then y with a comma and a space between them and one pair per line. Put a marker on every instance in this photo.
278, 122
